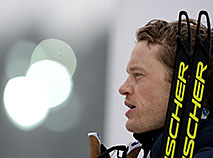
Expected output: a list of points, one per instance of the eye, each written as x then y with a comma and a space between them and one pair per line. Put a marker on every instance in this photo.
136, 75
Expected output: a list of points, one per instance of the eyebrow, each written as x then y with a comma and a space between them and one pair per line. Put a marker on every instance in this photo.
135, 67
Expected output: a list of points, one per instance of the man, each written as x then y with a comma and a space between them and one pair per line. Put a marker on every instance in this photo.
147, 87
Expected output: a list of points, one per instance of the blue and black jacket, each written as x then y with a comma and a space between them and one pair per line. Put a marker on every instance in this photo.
151, 141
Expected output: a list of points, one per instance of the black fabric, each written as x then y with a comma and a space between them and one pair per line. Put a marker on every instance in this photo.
203, 147
105, 152
147, 139
104, 149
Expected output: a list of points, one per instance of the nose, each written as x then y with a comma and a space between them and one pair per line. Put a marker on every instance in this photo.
126, 88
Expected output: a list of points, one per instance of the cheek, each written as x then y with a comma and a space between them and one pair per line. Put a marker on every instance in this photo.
162, 97
154, 95
147, 92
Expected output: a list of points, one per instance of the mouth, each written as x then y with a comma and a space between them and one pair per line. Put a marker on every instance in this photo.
129, 105
131, 111
132, 107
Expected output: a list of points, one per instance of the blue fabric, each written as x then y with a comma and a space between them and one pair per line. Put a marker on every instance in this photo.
204, 143
204, 153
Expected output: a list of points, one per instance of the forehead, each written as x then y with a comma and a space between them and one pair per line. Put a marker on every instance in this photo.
144, 55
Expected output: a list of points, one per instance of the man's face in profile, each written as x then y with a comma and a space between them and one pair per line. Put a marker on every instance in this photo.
146, 89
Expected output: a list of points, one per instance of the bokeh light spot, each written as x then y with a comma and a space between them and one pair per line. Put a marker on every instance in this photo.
54, 77
55, 50
26, 102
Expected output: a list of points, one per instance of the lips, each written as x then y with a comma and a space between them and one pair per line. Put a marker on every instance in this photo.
131, 106
130, 112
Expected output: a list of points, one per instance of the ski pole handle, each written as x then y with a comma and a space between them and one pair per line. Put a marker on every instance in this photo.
94, 144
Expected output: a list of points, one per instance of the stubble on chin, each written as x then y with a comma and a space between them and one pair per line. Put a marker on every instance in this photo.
130, 126
143, 126
135, 127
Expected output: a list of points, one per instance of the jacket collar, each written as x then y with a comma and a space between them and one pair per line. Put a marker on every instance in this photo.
147, 139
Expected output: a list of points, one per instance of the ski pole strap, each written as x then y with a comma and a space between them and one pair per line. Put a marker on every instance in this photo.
195, 93
122, 148
177, 92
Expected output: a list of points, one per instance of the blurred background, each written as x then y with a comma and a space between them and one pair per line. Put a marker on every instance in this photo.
102, 35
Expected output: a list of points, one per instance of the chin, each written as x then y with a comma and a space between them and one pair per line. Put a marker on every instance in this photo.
132, 127
133, 130
129, 127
